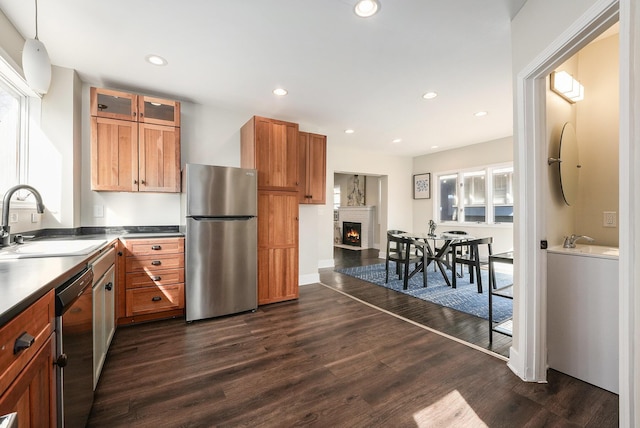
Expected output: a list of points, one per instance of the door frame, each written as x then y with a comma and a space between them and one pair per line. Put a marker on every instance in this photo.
528, 353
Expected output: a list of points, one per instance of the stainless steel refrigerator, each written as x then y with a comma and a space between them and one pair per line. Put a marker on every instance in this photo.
221, 240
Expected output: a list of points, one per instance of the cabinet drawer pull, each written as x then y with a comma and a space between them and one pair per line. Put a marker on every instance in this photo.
156, 278
23, 342
156, 247
108, 286
156, 263
156, 299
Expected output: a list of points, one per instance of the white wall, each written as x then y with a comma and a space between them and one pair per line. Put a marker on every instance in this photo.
395, 177
482, 154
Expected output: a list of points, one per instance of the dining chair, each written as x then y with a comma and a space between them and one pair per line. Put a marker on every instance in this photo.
408, 251
394, 248
472, 259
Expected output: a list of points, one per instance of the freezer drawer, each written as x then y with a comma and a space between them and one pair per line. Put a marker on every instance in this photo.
221, 267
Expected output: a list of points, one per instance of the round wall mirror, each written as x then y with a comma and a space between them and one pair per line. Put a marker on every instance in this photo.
569, 164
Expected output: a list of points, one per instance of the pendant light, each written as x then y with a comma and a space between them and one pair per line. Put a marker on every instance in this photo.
36, 63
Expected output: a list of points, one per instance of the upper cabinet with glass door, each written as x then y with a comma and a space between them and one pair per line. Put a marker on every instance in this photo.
158, 111
114, 104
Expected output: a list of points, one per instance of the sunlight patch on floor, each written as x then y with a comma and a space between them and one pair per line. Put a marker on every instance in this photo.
451, 410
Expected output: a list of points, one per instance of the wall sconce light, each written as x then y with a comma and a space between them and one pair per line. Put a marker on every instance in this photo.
563, 84
36, 63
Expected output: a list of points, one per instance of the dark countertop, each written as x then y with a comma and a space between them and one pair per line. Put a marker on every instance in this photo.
23, 281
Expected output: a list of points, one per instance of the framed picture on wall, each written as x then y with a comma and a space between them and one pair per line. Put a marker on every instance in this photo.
422, 186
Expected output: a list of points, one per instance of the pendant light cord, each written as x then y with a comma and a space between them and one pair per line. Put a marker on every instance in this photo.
36, 19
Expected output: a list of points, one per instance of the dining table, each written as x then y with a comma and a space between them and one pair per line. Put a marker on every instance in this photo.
437, 253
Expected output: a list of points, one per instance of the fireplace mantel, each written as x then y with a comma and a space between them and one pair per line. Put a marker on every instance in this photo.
366, 215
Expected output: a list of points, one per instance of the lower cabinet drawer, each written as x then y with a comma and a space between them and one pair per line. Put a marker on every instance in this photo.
149, 300
147, 263
154, 278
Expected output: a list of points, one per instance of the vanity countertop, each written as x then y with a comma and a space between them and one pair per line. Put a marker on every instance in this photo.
585, 250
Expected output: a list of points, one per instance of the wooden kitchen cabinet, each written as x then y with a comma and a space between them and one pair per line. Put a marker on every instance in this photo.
153, 272
27, 377
312, 168
135, 143
277, 246
271, 147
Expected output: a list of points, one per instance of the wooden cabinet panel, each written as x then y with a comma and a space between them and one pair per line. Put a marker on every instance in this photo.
113, 104
27, 377
153, 278
37, 321
277, 246
159, 158
147, 300
154, 246
153, 272
271, 147
312, 168
114, 155
135, 142
32, 394
158, 111
154, 263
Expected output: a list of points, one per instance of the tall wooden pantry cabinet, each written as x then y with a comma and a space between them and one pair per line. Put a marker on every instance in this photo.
271, 147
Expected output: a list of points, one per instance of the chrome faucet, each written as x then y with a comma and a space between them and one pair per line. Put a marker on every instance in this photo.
5, 235
570, 241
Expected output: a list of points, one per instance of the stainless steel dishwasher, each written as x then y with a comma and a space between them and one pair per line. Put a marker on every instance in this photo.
74, 343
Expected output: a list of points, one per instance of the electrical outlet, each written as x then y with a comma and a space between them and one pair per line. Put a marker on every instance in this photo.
13, 218
610, 219
34, 218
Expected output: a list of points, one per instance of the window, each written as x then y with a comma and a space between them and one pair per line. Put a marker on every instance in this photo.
503, 195
448, 186
13, 126
482, 195
10, 109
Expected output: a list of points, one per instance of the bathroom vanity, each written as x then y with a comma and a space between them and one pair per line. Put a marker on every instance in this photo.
582, 313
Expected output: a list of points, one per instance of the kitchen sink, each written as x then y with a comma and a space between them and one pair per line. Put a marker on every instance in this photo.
51, 248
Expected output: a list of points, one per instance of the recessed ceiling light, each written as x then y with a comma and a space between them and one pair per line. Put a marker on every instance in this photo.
281, 92
429, 95
434, 147
156, 60
480, 114
366, 8
349, 131
397, 140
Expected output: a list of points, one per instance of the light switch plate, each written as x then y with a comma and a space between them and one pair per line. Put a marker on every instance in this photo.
98, 211
13, 218
610, 219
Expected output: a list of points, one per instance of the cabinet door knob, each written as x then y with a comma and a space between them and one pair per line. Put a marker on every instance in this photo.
108, 286
156, 263
142, 182
135, 181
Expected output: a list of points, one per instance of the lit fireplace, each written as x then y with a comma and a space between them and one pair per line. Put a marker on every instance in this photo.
351, 233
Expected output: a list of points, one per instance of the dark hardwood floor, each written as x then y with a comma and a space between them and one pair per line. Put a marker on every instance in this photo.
324, 360
459, 325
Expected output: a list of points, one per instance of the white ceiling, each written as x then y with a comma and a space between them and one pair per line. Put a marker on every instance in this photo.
341, 71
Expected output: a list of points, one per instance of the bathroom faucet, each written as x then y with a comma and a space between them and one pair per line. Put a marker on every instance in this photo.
570, 241
6, 202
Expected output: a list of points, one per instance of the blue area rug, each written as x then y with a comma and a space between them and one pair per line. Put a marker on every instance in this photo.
464, 297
